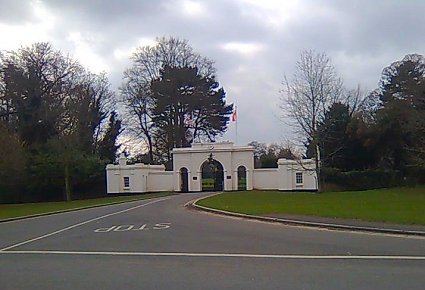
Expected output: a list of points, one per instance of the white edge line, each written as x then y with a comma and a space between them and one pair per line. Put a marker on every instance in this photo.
193, 202
80, 224
70, 210
225, 255
309, 225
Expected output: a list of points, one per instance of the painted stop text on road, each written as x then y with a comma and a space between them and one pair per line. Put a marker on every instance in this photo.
135, 227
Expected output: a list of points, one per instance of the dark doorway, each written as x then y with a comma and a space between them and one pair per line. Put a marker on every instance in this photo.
241, 178
184, 180
212, 175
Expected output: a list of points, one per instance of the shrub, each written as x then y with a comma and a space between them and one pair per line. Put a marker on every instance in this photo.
365, 179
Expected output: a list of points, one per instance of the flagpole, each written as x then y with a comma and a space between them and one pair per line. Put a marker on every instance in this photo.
236, 124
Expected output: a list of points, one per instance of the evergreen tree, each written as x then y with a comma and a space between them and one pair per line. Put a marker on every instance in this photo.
188, 106
334, 138
342, 144
147, 64
108, 145
400, 119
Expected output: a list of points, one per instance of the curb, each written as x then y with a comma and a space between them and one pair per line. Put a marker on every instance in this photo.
71, 209
291, 222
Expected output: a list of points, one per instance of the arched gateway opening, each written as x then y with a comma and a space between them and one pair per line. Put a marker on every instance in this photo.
184, 180
241, 178
212, 175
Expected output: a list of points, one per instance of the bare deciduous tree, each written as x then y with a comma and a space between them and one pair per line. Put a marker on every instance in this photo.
310, 92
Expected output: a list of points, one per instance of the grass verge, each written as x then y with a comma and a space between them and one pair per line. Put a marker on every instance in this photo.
8, 211
394, 205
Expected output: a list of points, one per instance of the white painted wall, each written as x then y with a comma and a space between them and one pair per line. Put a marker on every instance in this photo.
116, 174
160, 181
230, 157
139, 177
288, 170
266, 178
150, 178
284, 177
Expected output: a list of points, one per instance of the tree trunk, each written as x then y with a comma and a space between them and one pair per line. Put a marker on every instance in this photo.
316, 149
150, 149
67, 183
317, 161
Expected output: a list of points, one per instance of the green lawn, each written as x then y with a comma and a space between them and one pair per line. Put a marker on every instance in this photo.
207, 183
26, 209
242, 183
395, 205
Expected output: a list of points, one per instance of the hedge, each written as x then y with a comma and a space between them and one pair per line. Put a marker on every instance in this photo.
365, 179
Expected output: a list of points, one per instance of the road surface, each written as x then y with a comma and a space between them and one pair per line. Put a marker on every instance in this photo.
160, 244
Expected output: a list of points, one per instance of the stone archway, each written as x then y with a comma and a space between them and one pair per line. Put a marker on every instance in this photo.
212, 172
242, 178
184, 180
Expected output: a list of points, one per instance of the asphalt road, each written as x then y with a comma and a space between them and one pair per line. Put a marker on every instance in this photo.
160, 244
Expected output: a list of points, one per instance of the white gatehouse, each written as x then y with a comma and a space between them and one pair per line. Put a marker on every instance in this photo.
220, 166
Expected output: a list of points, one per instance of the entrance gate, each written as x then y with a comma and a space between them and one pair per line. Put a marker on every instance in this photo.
184, 180
241, 178
212, 175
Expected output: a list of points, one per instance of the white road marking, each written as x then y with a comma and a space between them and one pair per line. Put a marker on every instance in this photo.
126, 228
80, 224
224, 255
52, 213
311, 228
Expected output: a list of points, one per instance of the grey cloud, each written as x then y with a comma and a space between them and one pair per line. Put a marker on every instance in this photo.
163, 18
16, 12
107, 12
362, 37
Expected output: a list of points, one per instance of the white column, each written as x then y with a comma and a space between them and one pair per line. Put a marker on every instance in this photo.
249, 178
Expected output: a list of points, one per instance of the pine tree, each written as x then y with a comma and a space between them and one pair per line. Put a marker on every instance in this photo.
108, 144
188, 106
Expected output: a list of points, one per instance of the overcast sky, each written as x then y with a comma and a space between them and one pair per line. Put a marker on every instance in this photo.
254, 43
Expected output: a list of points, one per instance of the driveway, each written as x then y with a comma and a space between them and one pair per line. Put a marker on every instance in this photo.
160, 244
